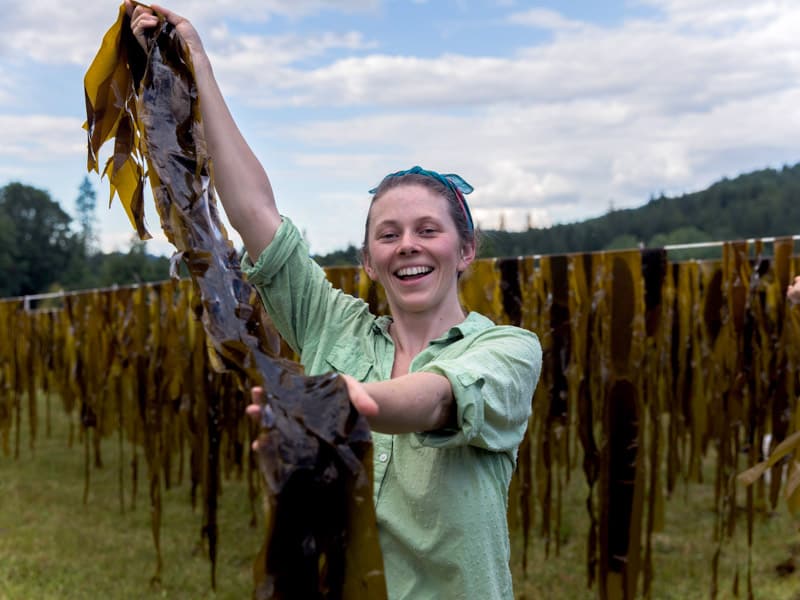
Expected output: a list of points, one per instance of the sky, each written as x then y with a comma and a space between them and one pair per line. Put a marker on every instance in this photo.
554, 111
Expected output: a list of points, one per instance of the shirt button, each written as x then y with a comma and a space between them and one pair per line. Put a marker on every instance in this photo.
383, 457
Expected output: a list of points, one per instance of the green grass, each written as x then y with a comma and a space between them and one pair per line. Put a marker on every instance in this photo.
682, 551
53, 546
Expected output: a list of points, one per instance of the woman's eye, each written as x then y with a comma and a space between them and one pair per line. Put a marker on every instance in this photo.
428, 231
387, 236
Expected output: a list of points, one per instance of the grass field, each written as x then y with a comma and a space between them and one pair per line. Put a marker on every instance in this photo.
53, 546
682, 553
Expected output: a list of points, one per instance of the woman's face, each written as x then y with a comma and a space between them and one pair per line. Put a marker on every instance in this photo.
413, 249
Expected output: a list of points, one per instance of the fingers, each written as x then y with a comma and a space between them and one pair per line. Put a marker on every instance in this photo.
253, 409
365, 405
363, 402
261, 413
187, 31
170, 16
257, 394
143, 19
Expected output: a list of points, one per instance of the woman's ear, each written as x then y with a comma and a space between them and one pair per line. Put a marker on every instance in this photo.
467, 256
367, 264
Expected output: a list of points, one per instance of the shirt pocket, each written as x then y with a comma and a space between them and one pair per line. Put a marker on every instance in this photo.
350, 359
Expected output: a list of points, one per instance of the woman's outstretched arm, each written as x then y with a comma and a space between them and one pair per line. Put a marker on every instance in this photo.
406, 404
240, 179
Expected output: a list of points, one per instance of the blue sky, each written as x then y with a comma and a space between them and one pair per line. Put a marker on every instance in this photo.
553, 111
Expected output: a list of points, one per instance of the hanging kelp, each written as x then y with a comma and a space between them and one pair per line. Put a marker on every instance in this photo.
658, 298
622, 452
728, 299
9, 395
582, 401
554, 441
315, 450
680, 388
718, 363
522, 497
769, 383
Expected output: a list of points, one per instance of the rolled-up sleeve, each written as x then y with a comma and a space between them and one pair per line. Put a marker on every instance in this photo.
304, 306
493, 379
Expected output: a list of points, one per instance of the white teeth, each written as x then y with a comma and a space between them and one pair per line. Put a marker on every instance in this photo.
410, 271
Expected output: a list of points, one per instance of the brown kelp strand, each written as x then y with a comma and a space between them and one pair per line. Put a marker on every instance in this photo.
658, 320
9, 355
315, 449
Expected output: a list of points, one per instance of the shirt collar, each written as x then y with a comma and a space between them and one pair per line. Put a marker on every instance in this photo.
474, 323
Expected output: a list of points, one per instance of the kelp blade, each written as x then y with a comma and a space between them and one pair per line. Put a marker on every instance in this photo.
315, 450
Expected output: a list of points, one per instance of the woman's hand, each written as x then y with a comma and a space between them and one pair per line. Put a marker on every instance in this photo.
793, 291
363, 402
360, 397
144, 19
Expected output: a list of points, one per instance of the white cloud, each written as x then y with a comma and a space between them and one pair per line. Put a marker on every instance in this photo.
700, 14
53, 32
6, 87
657, 66
249, 10
510, 185
545, 19
255, 66
59, 32
556, 131
40, 138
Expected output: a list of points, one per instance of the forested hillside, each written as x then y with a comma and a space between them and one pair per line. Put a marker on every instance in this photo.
42, 250
760, 204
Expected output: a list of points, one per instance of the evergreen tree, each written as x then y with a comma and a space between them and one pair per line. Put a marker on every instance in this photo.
85, 205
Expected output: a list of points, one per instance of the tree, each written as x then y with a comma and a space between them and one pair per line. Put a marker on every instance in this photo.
625, 241
39, 246
349, 256
85, 205
685, 236
6, 243
134, 267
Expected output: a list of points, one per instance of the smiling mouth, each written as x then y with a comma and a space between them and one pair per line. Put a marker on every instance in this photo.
412, 272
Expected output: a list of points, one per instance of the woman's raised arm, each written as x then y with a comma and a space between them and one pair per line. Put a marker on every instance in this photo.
240, 179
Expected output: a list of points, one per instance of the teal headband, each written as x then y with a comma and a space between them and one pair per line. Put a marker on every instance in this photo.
449, 180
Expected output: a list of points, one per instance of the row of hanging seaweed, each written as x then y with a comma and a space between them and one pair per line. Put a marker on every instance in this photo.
648, 364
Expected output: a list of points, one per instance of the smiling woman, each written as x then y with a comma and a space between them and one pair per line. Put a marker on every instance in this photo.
447, 393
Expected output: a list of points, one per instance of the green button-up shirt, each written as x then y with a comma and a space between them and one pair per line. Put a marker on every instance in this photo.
440, 496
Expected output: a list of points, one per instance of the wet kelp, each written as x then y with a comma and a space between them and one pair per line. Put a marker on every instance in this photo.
315, 453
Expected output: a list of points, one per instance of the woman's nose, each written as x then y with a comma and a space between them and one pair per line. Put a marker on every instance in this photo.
408, 244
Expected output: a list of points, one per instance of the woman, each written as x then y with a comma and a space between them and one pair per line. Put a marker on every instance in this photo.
447, 394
